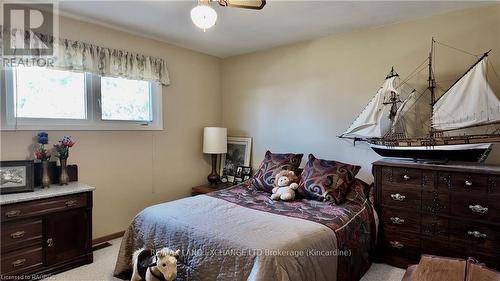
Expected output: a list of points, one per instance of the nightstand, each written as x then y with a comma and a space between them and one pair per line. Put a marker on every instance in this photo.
207, 188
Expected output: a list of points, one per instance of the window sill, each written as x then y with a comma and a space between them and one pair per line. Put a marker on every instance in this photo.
100, 127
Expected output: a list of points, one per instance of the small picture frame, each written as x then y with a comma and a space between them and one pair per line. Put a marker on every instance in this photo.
242, 174
16, 176
225, 177
238, 154
239, 172
247, 171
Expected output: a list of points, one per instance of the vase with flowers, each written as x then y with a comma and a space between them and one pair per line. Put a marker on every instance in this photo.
43, 154
62, 149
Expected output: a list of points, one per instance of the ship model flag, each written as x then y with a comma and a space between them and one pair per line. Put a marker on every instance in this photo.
459, 125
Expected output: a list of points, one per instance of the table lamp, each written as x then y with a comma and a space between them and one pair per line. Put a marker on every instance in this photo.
214, 142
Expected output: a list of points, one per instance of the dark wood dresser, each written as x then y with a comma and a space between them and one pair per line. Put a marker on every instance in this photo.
46, 231
448, 210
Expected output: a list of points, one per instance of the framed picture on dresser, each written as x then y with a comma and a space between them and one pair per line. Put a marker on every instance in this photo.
16, 176
238, 154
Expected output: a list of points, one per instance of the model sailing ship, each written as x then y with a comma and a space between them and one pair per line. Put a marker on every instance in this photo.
460, 125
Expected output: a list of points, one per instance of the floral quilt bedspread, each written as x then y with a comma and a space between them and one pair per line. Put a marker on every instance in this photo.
352, 221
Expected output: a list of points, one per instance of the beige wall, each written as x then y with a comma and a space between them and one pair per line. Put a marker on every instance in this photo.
135, 169
300, 97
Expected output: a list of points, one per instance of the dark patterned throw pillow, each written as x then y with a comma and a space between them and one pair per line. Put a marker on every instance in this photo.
271, 165
326, 180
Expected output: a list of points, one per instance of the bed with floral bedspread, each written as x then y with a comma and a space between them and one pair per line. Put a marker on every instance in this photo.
240, 234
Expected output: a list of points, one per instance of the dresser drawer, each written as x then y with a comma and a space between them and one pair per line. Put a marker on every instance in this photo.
21, 233
466, 182
405, 177
398, 220
432, 245
475, 207
39, 207
401, 197
401, 245
22, 261
436, 202
494, 186
435, 226
475, 235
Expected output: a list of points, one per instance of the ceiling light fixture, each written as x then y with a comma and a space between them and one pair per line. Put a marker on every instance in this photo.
203, 16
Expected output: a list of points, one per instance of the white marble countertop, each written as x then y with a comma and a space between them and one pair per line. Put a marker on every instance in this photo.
39, 193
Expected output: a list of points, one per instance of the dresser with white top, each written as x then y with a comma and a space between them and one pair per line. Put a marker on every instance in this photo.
46, 231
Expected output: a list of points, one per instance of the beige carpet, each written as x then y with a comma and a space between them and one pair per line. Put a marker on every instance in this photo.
105, 259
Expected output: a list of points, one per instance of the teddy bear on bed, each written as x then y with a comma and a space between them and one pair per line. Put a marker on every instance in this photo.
285, 186
150, 265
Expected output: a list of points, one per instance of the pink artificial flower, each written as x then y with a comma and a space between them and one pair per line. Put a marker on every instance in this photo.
42, 154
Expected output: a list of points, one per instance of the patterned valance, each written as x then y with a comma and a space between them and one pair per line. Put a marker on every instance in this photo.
84, 57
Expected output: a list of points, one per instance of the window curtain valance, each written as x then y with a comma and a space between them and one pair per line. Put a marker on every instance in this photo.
84, 57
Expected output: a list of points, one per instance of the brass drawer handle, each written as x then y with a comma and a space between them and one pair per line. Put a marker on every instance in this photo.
50, 242
18, 262
468, 183
396, 220
396, 244
398, 197
478, 209
13, 213
70, 203
406, 177
476, 234
17, 234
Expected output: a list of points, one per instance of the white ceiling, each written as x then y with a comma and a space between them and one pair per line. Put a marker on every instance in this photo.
241, 31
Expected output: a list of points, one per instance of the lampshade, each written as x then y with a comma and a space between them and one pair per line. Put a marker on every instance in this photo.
214, 140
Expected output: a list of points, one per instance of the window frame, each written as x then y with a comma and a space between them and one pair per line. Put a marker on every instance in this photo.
93, 121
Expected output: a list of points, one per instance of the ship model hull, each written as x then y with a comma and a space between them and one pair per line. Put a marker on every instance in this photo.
460, 152
472, 148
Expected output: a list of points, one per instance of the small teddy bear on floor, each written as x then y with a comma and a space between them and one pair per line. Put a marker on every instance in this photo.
286, 184
154, 266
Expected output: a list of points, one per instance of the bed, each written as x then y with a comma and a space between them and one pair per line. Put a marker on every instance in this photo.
240, 234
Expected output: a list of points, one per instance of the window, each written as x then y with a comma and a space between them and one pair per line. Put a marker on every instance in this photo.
123, 99
44, 93
46, 99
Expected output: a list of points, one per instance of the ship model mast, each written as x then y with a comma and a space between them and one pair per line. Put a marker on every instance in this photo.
432, 84
456, 118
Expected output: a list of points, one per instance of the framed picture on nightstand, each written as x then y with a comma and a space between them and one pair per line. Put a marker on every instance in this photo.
243, 173
224, 179
238, 154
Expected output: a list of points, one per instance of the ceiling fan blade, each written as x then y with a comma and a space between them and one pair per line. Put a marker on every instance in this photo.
245, 4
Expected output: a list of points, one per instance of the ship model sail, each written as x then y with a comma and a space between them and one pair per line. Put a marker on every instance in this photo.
459, 125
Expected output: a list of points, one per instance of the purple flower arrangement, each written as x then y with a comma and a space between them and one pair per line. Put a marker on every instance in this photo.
62, 148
